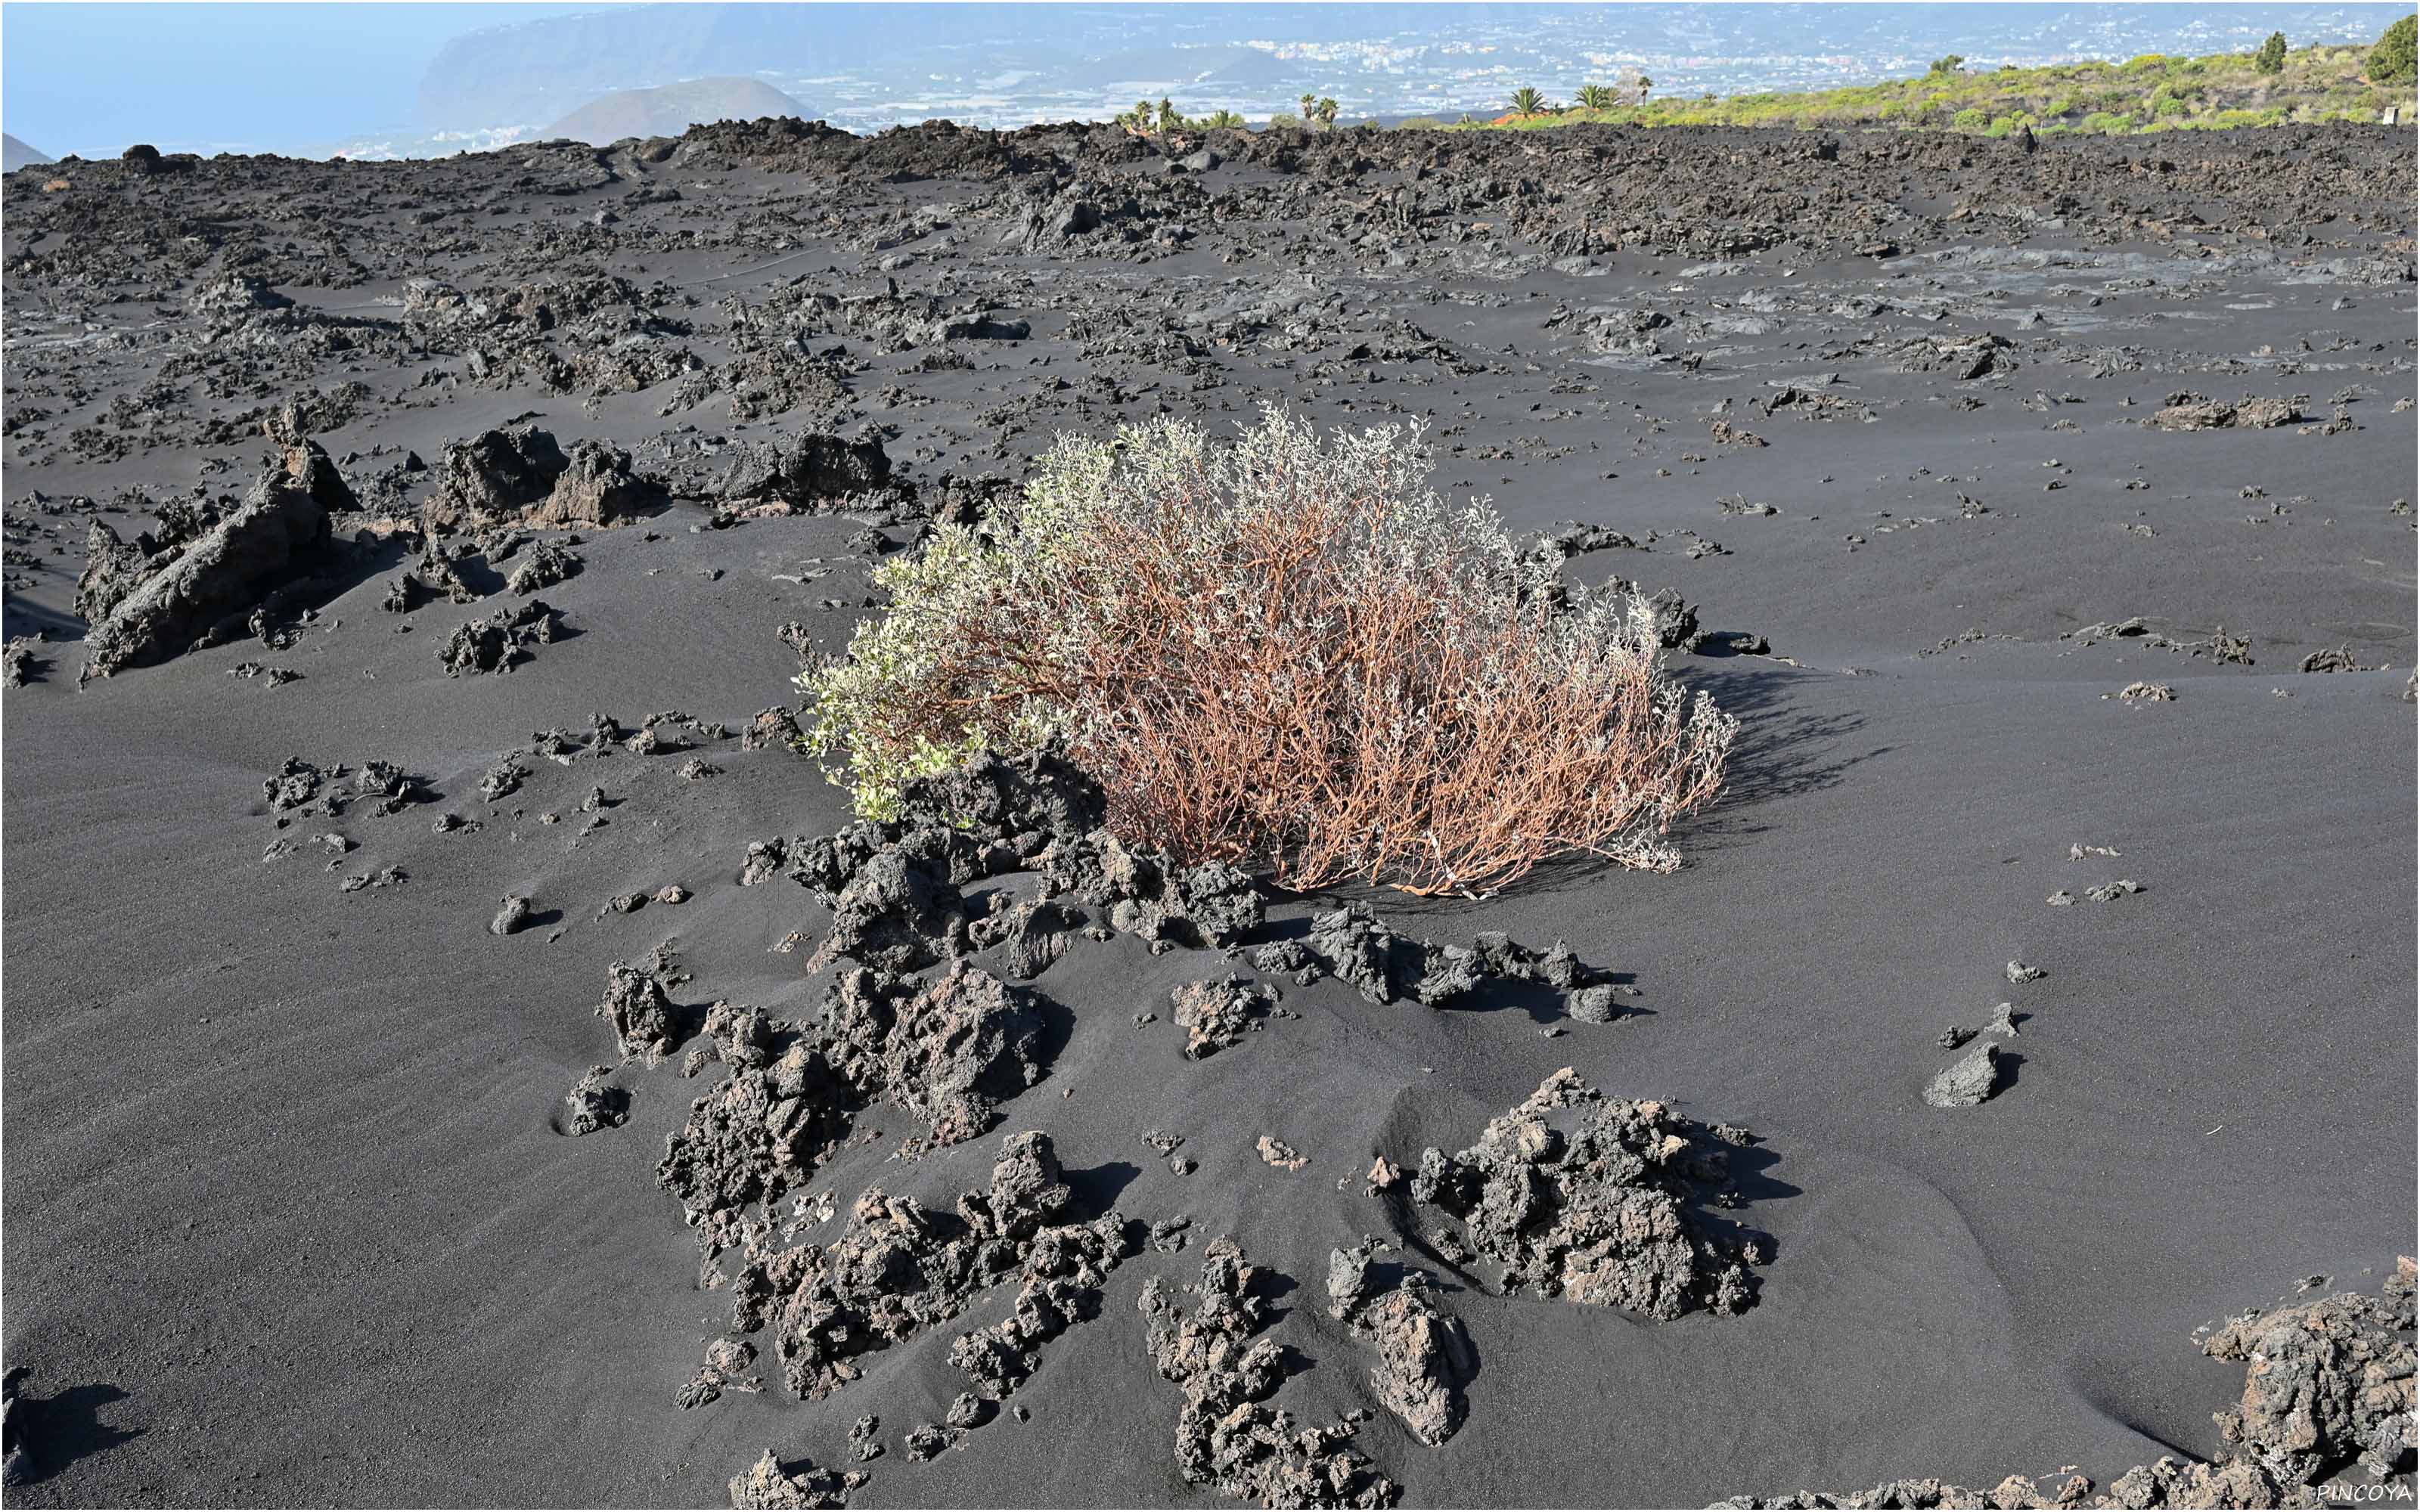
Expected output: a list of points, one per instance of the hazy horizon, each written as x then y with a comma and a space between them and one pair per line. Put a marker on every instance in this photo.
382, 79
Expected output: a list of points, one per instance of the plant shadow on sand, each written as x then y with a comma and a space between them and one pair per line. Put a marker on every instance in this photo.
56, 1431
1780, 755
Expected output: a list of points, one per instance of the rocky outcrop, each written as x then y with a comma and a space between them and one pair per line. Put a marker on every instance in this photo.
596, 1103
767, 1485
547, 564
2328, 1388
896, 912
1969, 1080
1227, 1368
198, 581
595, 488
2191, 411
899, 1271
1423, 1355
1218, 1013
811, 473
1357, 948
1959, 359
894, 884
500, 642
2328, 1383
644, 1022
301, 789
493, 479
947, 1052
1030, 933
2163, 1483
1598, 1208
756, 1136
235, 294
21, 663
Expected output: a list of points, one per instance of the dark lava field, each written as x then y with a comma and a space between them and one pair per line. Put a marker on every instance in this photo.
458, 1050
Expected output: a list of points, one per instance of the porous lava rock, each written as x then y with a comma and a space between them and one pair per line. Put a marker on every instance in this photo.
1578, 1194
1218, 1355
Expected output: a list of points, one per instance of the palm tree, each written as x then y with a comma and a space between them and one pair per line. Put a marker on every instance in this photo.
1224, 118
1645, 84
1597, 96
1527, 102
1169, 118
1327, 109
1143, 116
1311, 110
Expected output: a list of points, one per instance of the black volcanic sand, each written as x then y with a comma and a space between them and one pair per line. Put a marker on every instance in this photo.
289, 1218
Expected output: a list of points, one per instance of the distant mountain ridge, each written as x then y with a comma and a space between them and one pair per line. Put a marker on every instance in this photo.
15, 154
500, 73
669, 110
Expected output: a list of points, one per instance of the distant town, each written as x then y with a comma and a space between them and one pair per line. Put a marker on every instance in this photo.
1463, 61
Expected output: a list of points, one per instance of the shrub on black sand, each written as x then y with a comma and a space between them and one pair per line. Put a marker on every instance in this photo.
1289, 652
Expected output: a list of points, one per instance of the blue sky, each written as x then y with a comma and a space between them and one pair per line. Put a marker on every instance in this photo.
313, 77
93, 79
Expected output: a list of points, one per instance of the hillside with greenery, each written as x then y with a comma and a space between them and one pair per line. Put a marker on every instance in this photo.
2275, 84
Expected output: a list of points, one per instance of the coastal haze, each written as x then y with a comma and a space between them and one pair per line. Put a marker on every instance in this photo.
461, 1048
378, 80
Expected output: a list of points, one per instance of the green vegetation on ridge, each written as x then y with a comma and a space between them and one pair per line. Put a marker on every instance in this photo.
2272, 87
2392, 61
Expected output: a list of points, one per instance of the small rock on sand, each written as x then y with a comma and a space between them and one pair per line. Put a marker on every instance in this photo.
1217, 1013
596, 1104
765, 1484
1967, 1081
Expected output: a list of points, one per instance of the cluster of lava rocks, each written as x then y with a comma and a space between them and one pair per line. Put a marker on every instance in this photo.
931, 1012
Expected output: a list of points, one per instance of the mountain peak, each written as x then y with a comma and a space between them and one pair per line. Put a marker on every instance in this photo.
671, 109
15, 154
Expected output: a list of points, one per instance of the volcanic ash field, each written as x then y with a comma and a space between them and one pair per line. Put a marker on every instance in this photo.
460, 1050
